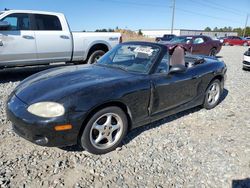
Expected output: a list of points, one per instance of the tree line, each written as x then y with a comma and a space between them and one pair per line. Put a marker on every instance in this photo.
239, 30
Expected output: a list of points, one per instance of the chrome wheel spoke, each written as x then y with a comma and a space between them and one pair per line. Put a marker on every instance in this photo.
109, 120
99, 138
98, 127
110, 138
213, 88
209, 98
115, 127
213, 100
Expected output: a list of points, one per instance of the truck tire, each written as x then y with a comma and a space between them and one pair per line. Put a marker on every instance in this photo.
95, 56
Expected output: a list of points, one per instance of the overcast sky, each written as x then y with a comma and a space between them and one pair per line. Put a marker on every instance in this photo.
141, 14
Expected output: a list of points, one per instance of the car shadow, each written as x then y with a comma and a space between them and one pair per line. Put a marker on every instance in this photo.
136, 132
20, 73
218, 56
241, 183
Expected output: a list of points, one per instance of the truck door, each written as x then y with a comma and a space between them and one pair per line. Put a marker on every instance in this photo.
17, 43
53, 39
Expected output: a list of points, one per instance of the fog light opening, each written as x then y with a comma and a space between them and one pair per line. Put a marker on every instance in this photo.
42, 140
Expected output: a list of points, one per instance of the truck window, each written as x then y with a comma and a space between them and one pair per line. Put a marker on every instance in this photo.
18, 21
47, 23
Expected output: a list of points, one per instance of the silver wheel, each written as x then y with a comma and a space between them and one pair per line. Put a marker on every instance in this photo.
213, 94
106, 131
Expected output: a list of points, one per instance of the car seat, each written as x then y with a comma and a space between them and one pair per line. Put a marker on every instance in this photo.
178, 56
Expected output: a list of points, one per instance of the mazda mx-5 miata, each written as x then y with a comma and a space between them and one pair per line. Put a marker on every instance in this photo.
95, 106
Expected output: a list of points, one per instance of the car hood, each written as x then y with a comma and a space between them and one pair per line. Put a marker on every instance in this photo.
54, 84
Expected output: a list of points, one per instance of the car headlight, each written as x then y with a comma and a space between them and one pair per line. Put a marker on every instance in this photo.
47, 109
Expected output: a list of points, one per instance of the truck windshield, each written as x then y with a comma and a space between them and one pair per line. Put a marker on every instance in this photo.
131, 57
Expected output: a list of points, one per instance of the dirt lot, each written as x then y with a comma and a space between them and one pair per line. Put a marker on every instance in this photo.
196, 148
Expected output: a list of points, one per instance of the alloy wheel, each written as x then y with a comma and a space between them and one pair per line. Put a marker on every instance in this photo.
106, 131
213, 93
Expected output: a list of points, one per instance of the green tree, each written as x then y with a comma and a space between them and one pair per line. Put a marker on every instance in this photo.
238, 30
247, 31
207, 29
216, 29
140, 32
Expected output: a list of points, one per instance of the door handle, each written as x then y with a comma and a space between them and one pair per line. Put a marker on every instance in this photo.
28, 37
1, 43
64, 37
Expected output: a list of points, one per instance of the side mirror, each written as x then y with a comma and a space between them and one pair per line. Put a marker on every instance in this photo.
4, 25
179, 68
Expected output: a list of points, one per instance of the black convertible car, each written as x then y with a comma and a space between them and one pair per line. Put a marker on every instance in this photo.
95, 105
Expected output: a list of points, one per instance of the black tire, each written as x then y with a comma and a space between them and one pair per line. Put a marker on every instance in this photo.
90, 134
245, 68
213, 52
208, 104
95, 56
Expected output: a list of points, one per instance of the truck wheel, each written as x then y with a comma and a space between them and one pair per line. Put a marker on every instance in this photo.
95, 56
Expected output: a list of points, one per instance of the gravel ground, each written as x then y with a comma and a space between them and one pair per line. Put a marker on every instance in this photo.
196, 148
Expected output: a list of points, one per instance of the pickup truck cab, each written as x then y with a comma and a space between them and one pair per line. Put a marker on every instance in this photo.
166, 37
37, 37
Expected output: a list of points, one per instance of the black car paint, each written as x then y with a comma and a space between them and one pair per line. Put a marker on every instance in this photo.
85, 88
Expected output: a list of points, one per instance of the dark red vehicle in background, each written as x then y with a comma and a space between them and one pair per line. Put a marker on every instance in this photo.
196, 44
234, 40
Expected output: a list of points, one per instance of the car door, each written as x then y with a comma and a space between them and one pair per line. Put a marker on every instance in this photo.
54, 42
171, 90
17, 43
237, 41
199, 46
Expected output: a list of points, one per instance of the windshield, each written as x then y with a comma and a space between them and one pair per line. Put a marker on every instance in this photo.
131, 57
180, 39
1, 13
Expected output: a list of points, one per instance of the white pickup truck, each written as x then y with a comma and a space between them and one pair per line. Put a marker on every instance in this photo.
36, 37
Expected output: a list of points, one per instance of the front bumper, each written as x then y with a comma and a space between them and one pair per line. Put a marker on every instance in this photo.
246, 61
41, 131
